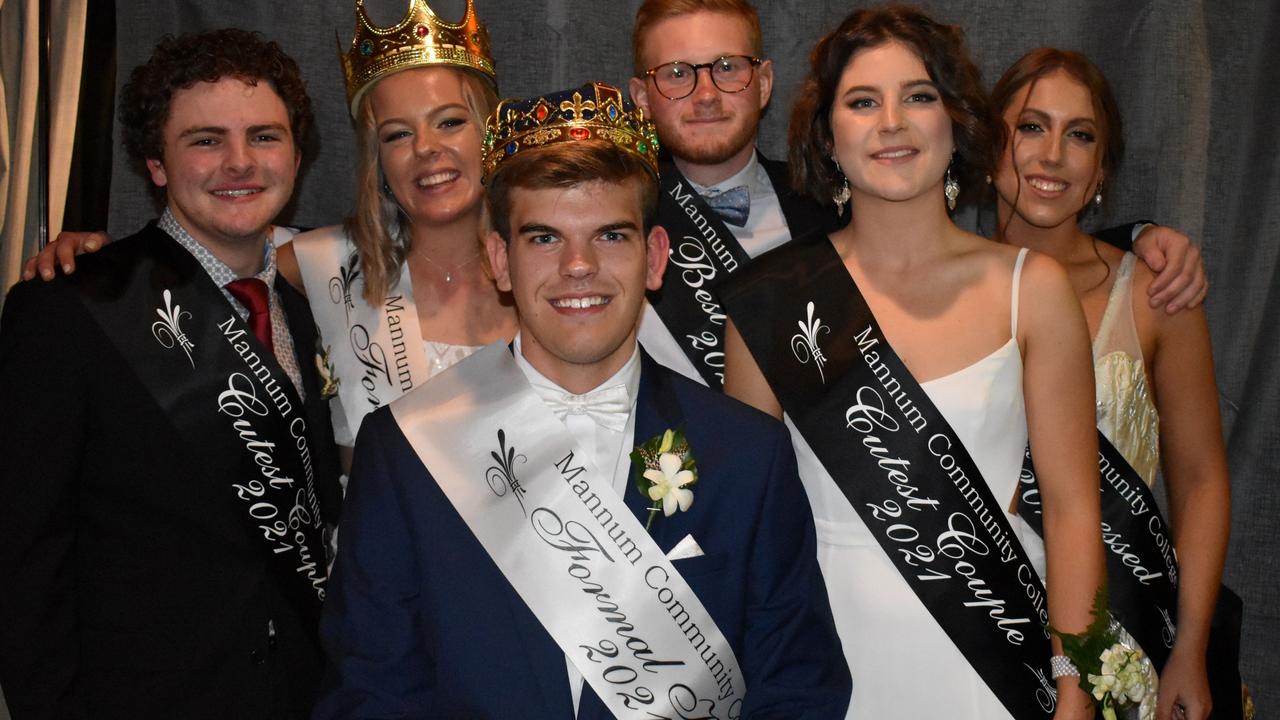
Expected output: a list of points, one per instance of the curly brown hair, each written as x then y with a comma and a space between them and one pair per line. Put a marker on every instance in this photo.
942, 50
180, 62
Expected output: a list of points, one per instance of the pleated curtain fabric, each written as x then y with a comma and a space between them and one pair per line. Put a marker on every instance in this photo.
1195, 80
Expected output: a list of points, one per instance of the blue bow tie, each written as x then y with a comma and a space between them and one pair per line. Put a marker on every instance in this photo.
732, 205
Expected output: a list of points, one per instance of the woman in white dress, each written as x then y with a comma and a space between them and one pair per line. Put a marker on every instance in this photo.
1157, 401
891, 112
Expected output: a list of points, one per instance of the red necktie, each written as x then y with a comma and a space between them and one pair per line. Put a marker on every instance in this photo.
252, 293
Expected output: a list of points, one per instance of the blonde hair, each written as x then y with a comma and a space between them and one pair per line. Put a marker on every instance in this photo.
652, 12
376, 225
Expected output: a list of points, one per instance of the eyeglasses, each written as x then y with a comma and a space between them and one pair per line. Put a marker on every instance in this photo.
729, 73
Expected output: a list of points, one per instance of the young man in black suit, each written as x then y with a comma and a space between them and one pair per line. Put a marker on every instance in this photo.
164, 553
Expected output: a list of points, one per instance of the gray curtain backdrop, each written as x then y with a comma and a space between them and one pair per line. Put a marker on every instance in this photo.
1195, 79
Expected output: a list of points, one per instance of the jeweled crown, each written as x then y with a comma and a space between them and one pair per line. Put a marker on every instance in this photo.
594, 111
421, 39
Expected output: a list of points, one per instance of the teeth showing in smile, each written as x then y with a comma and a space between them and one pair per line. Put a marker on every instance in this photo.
1047, 185
236, 193
894, 154
437, 178
579, 303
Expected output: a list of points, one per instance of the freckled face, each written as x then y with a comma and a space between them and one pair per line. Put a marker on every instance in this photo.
429, 144
1052, 164
578, 265
229, 160
891, 133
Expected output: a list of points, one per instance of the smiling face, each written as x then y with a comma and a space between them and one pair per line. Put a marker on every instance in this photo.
1051, 166
229, 161
891, 133
578, 265
709, 128
429, 144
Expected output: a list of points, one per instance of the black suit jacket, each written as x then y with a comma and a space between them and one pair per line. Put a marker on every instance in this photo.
131, 584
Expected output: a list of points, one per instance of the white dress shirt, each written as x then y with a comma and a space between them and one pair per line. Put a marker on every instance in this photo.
609, 450
765, 230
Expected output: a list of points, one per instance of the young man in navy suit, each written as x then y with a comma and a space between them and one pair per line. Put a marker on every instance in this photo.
497, 558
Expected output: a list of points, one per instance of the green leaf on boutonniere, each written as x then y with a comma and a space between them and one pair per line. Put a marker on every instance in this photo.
664, 469
328, 376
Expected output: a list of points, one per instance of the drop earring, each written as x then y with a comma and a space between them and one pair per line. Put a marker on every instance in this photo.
1097, 197
840, 195
951, 189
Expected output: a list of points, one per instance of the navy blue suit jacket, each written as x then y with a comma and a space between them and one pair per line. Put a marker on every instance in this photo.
420, 623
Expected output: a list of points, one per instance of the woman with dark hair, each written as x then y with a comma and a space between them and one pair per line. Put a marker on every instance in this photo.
1157, 402
927, 357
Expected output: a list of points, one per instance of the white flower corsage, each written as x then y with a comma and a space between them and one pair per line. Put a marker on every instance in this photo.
1113, 668
664, 470
328, 376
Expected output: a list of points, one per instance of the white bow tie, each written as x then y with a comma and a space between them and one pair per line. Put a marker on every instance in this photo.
608, 407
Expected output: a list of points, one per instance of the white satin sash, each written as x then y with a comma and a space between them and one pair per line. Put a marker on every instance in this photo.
376, 352
568, 544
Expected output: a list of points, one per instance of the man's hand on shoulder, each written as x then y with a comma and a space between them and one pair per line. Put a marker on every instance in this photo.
1180, 281
62, 252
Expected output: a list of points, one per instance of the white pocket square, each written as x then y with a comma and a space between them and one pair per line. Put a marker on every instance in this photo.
686, 548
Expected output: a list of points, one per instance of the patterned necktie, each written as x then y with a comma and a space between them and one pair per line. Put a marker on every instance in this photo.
608, 407
252, 293
732, 205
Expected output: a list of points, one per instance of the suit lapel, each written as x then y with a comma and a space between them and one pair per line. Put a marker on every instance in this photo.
657, 409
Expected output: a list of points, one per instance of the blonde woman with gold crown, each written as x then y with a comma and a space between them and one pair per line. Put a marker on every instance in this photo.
399, 291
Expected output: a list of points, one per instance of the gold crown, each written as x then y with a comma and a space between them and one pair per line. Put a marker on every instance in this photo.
594, 111
421, 39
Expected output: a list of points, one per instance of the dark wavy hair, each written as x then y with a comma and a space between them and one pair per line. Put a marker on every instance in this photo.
180, 62
1041, 62
942, 50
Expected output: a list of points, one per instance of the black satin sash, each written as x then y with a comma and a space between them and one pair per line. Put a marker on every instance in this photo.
225, 394
899, 463
1142, 569
703, 253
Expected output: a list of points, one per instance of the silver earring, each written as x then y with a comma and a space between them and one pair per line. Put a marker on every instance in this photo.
951, 189
840, 195
1097, 198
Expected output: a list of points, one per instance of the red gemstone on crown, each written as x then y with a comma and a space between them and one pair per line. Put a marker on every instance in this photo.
540, 112
421, 31
579, 133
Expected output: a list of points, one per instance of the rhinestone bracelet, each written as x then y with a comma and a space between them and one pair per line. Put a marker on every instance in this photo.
1063, 667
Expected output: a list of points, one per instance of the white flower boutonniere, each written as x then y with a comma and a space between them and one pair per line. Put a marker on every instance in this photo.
1113, 669
328, 379
664, 468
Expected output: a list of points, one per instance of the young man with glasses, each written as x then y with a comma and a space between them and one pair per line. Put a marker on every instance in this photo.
702, 78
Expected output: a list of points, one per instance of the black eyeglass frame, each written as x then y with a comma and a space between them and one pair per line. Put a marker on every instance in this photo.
753, 61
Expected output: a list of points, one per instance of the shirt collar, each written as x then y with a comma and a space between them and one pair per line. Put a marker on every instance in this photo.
628, 375
218, 270
745, 176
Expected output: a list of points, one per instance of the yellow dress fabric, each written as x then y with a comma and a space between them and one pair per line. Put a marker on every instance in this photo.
1126, 412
